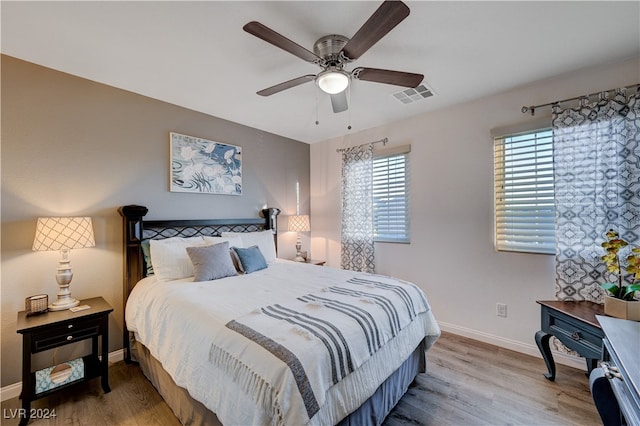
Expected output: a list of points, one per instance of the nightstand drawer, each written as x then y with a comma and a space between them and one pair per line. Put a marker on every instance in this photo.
66, 333
574, 333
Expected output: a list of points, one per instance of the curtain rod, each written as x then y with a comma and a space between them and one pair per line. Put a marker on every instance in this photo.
533, 108
384, 142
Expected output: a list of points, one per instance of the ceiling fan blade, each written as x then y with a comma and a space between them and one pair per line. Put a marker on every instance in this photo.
397, 78
286, 85
278, 40
389, 14
339, 102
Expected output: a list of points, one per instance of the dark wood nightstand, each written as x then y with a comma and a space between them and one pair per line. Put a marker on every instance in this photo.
54, 329
575, 325
316, 262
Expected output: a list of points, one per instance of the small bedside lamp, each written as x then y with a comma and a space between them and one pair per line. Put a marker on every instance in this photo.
64, 234
299, 223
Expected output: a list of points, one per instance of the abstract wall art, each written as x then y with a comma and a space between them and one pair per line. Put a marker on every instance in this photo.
204, 166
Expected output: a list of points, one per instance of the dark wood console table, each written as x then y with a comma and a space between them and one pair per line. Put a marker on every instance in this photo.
575, 325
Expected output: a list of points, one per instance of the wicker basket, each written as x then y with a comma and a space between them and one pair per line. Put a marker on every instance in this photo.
35, 305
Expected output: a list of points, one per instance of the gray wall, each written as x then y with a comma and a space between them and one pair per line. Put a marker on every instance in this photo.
75, 147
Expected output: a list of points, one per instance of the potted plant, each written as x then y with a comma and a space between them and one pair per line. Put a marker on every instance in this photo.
620, 302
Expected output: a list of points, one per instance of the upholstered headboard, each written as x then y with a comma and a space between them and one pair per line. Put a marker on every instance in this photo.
136, 230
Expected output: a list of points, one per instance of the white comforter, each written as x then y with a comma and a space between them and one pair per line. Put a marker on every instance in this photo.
183, 324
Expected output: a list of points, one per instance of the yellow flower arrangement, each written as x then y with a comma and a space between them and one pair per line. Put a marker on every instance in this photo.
613, 245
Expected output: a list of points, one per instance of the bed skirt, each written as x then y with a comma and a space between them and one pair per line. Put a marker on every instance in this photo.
187, 410
372, 412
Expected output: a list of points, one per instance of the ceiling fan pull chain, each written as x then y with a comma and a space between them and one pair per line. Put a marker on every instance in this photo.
349, 110
317, 122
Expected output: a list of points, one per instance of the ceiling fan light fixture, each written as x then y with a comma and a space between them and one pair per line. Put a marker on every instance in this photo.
333, 81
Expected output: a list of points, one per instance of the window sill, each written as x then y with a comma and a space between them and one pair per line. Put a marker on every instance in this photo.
375, 240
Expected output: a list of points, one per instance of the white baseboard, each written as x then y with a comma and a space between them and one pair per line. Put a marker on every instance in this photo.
12, 391
514, 345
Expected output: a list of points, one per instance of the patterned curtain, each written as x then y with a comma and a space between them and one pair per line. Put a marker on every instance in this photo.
357, 209
597, 187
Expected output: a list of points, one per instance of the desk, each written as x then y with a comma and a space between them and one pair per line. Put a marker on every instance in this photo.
616, 385
58, 328
575, 325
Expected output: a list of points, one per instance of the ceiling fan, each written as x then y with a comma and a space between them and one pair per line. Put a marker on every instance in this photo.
333, 52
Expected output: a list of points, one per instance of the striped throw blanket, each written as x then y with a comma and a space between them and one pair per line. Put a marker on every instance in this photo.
289, 354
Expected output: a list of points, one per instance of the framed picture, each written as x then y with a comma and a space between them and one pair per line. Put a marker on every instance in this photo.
204, 166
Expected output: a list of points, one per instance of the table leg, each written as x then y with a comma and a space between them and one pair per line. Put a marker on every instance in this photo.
24, 418
542, 340
104, 364
27, 386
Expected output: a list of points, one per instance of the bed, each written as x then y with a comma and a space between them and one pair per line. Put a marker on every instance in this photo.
282, 343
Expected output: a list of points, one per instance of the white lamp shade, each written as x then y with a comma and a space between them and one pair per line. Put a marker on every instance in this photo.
333, 81
59, 233
299, 223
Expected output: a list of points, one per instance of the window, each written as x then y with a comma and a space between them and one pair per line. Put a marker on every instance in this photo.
391, 196
524, 196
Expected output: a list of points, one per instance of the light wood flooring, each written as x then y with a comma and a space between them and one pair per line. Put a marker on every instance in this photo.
467, 383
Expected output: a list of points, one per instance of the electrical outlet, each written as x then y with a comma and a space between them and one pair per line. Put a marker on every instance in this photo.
501, 309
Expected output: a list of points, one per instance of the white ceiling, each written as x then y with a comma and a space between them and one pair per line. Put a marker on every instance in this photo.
196, 55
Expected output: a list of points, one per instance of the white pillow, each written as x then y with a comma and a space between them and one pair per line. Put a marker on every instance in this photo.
234, 241
170, 259
263, 239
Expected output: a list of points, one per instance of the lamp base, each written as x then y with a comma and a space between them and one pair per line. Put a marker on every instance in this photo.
299, 257
64, 303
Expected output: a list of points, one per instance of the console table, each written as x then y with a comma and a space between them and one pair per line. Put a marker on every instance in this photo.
575, 325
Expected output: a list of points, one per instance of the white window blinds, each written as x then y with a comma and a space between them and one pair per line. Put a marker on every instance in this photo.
391, 197
524, 195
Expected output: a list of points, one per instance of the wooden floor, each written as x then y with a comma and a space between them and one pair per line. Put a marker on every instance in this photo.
467, 383
474, 383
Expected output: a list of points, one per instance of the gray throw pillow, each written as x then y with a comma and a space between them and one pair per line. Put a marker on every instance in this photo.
211, 262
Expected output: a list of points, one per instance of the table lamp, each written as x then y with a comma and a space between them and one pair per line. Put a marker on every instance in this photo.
299, 223
63, 234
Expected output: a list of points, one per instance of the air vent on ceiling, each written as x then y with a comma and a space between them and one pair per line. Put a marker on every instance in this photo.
408, 96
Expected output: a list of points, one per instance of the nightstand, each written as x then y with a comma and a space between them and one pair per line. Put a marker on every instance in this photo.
575, 325
316, 262
58, 328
